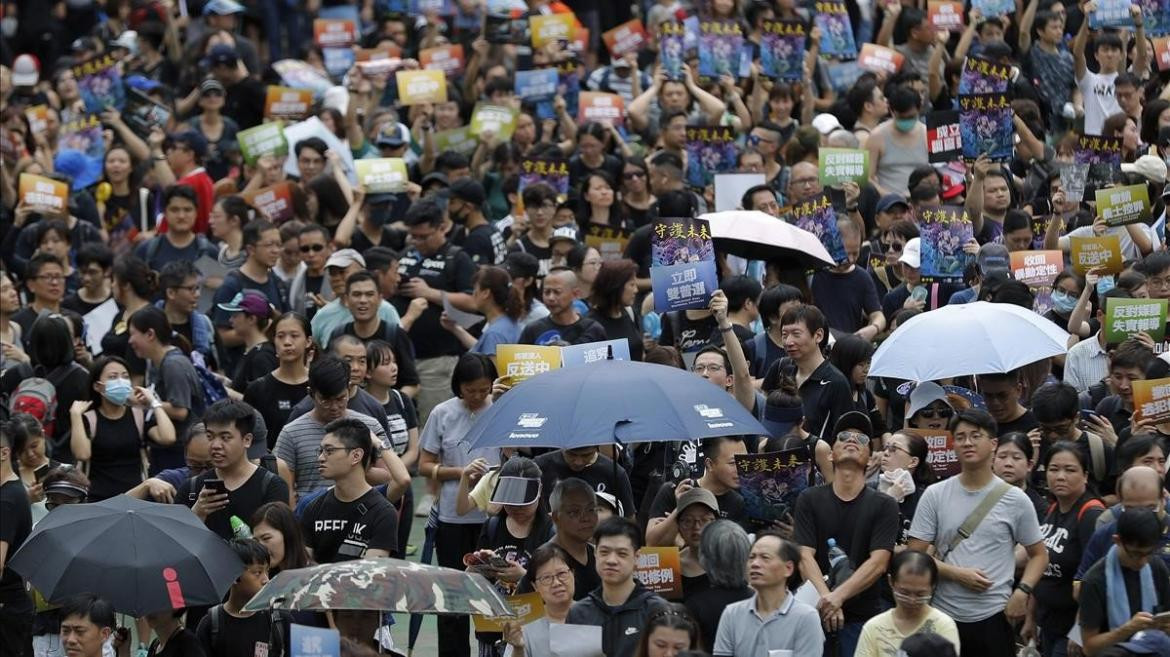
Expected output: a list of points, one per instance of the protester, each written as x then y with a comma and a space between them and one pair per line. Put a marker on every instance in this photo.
913, 578
227, 630
554, 581
723, 549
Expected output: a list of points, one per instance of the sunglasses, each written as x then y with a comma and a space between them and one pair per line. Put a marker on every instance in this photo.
313, 248
630, 175
855, 436
933, 413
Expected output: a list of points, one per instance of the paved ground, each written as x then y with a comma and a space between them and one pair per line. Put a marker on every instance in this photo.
427, 644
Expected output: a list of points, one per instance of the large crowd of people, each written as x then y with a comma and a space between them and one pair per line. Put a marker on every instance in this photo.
196, 312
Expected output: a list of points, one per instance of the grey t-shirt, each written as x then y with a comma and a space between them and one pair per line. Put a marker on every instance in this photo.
298, 443
991, 548
443, 435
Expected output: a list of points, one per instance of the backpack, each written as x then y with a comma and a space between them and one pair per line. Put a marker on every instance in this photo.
1091, 504
152, 247
213, 389
275, 633
37, 396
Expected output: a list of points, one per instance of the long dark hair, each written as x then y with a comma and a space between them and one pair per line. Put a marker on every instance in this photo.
498, 283
95, 373
848, 352
610, 283
281, 518
923, 474
672, 616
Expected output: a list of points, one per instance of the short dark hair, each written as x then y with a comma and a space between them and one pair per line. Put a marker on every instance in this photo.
360, 277
45, 226
1136, 447
974, 416
310, 228
1107, 40
772, 298
1131, 354
739, 290
328, 375
254, 229
380, 258
544, 554
746, 200
714, 349
1154, 264
1139, 526
916, 563
237, 413
448, 161
425, 211
536, 194
1055, 402
175, 273
712, 445
315, 143
471, 367
807, 314
618, 526
180, 191
90, 607
903, 99
38, 261
353, 434
250, 551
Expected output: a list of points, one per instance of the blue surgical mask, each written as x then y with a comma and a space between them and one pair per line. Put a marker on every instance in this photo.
1104, 284
1063, 302
117, 391
906, 125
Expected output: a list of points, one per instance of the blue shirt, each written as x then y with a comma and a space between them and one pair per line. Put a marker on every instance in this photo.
1102, 539
504, 330
963, 296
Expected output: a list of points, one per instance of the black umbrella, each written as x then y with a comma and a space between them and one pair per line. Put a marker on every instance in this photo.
140, 556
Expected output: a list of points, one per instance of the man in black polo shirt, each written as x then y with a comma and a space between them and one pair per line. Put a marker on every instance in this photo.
431, 268
824, 390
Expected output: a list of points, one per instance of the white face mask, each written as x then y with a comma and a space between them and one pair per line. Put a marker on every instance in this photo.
8, 26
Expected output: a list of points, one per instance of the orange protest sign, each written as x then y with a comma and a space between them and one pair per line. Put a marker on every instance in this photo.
448, 59
879, 59
275, 202
43, 194
1162, 52
38, 118
1151, 399
600, 106
1036, 268
287, 104
627, 37
551, 28
660, 570
945, 15
420, 87
334, 33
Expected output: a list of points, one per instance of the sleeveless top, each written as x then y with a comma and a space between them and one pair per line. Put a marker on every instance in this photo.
898, 162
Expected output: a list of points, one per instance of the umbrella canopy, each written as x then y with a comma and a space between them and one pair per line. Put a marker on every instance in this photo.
754, 235
381, 585
964, 339
607, 402
141, 556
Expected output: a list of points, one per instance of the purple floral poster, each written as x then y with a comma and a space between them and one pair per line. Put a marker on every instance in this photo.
682, 271
771, 482
981, 76
782, 49
710, 150
819, 217
1102, 155
720, 43
100, 83
985, 126
944, 230
672, 48
836, 30
554, 173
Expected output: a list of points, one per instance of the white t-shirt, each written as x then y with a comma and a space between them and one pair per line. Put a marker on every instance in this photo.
1100, 100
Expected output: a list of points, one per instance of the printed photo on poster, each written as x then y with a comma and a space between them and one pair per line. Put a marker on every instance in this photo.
944, 230
985, 123
771, 482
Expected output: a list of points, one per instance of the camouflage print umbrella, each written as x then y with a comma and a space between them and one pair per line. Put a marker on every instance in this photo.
381, 585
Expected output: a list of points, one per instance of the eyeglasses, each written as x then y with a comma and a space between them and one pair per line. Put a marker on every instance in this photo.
688, 523
803, 182
908, 597
700, 369
936, 413
755, 140
196, 468
49, 278
963, 438
855, 436
630, 175
891, 448
306, 248
328, 450
562, 576
1139, 554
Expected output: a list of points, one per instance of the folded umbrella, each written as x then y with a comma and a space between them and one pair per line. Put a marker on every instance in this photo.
755, 235
390, 585
965, 339
141, 556
607, 402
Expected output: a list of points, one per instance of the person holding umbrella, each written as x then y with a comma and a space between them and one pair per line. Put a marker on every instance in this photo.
229, 631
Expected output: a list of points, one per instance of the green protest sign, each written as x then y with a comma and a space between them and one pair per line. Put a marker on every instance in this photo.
838, 165
1126, 317
493, 118
264, 139
1119, 206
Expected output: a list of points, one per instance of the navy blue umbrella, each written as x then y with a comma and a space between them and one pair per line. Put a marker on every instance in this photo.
611, 401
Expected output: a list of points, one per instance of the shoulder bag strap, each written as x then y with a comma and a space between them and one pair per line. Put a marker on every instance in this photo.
972, 522
1097, 455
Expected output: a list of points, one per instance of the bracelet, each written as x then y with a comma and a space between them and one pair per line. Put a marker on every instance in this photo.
156, 404
435, 472
1022, 586
725, 329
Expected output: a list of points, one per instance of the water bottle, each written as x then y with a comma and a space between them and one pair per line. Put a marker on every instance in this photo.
839, 567
240, 529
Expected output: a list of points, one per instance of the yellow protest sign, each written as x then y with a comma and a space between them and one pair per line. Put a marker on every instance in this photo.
517, 362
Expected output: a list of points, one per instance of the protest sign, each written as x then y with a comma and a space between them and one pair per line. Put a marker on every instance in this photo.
448, 59
275, 202
836, 30
1156, 14
1151, 399
436, 7
1102, 154
493, 118
946, 15
38, 118
99, 80
994, 8
578, 355
84, 134
553, 172
1110, 13
985, 123
819, 217
551, 28
771, 482
458, 139
838, 165
981, 76
843, 75
286, 103
518, 362
599, 106
1126, 317
537, 85
671, 48
943, 231
944, 142
1119, 206
710, 150
421, 87
307, 641
43, 194
506, 28
660, 570
334, 33
940, 451
782, 49
1087, 253
682, 271
264, 139
609, 241
627, 37
880, 59
730, 188
719, 46
383, 175
1038, 270
526, 608
313, 127
1073, 178
569, 86
1162, 53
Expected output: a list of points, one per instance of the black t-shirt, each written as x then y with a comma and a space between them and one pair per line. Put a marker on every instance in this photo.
78, 305
1065, 535
15, 525
1094, 608
400, 344
275, 400
402, 417
494, 535
1023, 424
257, 362
599, 475
611, 166
260, 488
585, 574
183, 643
449, 269
395, 239
685, 334
237, 637
115, 465
707, 607
866, 523
731, 504
545, 331
845, 299
245, 103
117, 343
543, 254
825, 396
639, 250
343, 531
742, 333
622, 326
485, 245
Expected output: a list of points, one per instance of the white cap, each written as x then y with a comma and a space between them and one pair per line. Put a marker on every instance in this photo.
1150, 167
345, 258
26, 71
826, 124
127, 40
912, 253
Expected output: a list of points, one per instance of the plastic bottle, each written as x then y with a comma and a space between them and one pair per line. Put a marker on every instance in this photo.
240, 529
839, 567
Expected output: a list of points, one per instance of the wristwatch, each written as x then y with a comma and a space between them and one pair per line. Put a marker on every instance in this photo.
1023, 586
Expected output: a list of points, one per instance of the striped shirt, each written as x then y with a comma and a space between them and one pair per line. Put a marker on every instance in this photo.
298, 443
1086, 364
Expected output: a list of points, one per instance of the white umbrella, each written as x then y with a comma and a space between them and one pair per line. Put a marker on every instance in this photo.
964, 339
754, 235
